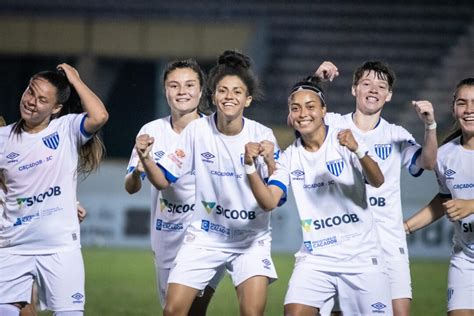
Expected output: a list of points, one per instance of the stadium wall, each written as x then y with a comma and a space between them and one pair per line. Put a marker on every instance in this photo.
117, 219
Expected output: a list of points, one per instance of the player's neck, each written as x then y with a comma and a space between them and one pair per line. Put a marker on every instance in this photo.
180, 120
365, 122
229, 127
468, 141
313, 141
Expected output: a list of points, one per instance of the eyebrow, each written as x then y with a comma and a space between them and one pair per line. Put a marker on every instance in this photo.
33, 87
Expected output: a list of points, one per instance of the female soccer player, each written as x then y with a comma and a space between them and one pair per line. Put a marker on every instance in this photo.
392, 147
228, 228
327, 169
456, 199
173, 208
41, 156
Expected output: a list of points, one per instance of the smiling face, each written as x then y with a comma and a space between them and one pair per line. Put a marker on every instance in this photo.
306, 112
38, 103
183, 90
463, 109
371, 92
231, 98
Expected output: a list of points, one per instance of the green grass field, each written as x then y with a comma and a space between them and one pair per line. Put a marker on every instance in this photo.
121, 282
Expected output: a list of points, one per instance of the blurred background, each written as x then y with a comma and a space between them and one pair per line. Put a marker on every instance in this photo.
121, 46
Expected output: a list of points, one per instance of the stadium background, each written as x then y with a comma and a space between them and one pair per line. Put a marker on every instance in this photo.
121, 47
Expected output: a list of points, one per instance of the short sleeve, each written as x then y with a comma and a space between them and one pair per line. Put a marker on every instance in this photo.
410, 150
180, 161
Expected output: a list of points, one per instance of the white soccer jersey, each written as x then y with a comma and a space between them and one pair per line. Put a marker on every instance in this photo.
40, 215
330, 194
455, 173
227, 216
392, 147
172, 208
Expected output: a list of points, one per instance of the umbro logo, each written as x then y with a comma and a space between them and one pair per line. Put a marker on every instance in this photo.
159, 154
11, 156
297, 173
449, 172
207, 157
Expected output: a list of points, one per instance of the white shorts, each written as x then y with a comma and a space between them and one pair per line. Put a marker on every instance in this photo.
162, 275
398, 273
399, 277
364, 293
460, 284
60, 279
195, 267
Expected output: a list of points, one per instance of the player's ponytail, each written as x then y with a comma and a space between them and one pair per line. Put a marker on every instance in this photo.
234, 63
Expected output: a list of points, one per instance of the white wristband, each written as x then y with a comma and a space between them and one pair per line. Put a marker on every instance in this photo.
431, 126
361, 151
249, 169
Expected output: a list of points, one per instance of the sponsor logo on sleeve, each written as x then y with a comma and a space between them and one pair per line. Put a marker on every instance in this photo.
177, 157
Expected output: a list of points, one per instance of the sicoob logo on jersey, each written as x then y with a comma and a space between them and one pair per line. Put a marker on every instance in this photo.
53, 191
52, 140
335, 166
175, 208
228, 213
383, 150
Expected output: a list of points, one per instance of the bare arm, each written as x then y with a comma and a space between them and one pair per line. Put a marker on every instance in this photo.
143, 145
267, 196
427, 215
427, 159
372, 171
97, 115
133, 180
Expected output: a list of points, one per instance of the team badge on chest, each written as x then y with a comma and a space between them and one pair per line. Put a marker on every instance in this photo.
335, 166
383, 150
52, 140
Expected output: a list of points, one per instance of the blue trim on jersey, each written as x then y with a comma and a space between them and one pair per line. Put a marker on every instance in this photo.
413, 163
83, 130
130, 170
168, 175
283, 188
445, 196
